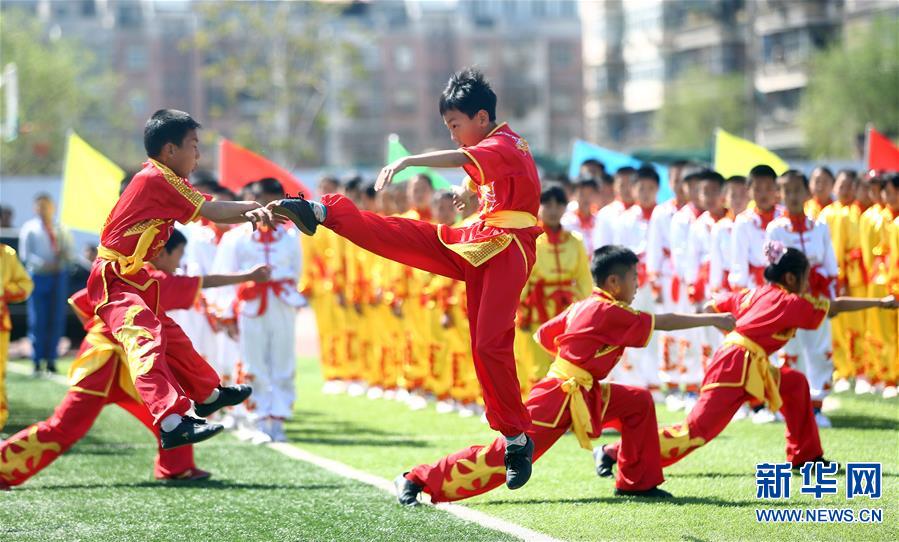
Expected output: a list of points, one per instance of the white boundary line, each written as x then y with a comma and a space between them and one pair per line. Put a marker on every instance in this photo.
346, 471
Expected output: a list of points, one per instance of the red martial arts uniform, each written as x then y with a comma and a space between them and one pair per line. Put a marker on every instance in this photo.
126, 296
493, 255
588, 339
767, 318
99, 376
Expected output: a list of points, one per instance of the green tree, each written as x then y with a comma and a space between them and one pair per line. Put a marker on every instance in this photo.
58, 90
854, 82
274, 91
696, 104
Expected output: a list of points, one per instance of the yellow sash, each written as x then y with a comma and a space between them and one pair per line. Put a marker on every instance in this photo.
129, 265
510, 219
760, 379
575, 378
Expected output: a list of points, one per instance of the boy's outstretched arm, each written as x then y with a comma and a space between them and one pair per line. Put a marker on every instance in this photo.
443, 159
235, 212
847, 304
674, 321
260, 273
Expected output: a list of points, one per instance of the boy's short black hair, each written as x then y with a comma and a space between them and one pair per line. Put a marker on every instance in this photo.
426, 177
469, 92
711, 175
626, 170
607, 179
175, 240
42, 196
167, 126
553, 192
612, 260
736, 179
761, 170
789, 174
594, 162
649, 173
269, 186
369, 190
693, 173
225, 193
586, 182
849, 172
824, 169
440, 195
893, 179
353, 183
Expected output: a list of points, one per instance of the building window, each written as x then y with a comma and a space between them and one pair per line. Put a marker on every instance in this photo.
404, 100
560, 55
561, 102
785, 48
136, 58
137, 100
403, 58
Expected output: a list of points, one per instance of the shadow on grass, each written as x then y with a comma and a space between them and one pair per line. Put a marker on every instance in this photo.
676, 501
201, 484
300, 437
853, 421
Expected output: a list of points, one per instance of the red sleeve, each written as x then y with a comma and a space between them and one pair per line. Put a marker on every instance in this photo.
179, 291
727, 301
547, 334
490, 160
178, 197
807, 312
81, 305
620, 325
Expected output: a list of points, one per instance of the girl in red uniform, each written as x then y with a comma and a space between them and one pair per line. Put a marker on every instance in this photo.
767, 318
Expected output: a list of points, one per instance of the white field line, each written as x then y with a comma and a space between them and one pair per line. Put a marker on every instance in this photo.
346, 471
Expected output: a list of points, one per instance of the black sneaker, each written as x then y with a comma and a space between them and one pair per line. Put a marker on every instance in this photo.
518, 463
603, 462
189, 431
407, 491
654, 493
228, 396
797, 467
299, 211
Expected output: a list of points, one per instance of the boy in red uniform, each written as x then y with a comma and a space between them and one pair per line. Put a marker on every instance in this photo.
587, 340
767, 317
99, 377
126, 297
493, 255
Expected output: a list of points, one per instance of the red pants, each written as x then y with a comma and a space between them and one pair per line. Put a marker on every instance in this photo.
30, 450
478, 469
717, 406
492, 289
166, 369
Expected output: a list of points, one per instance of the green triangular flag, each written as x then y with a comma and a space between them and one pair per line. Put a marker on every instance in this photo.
396, 150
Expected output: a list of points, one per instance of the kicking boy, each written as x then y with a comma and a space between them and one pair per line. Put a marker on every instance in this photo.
493, 255
121, 289
587, 340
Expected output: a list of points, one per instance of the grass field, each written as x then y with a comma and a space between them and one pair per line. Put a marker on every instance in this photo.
103, 488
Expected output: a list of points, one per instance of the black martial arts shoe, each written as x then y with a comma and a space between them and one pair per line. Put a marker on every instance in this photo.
406, 490
189, 431
518, 461
654, 493
797, 467
603, 462
228, 396
299, 211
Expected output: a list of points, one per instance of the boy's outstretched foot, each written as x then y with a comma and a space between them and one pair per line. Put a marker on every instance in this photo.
654, 493
190, 475
603, 461
518, 463
228, 396
300, 212
189, 431
406, 491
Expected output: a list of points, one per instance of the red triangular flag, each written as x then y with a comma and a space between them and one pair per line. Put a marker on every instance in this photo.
882, 154
239, 167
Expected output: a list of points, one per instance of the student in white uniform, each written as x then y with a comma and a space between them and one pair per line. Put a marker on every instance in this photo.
811, 350
265, 313
608, 219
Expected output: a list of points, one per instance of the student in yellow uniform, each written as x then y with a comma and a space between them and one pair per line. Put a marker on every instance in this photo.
561, 276
889, 371
820, 185
842, 218
15, 287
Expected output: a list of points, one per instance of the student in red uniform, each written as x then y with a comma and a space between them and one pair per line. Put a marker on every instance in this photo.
767, 317
126, 297
100, 376
493, 254
587, 340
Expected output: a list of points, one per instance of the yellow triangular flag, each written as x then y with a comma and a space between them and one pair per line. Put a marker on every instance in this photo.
90, 186
736, 156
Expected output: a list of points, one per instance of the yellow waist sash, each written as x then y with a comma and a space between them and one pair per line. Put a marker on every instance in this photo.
575, 379
512, 220
129, 265
760, 379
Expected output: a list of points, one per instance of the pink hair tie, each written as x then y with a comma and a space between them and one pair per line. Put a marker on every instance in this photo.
774, 252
